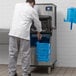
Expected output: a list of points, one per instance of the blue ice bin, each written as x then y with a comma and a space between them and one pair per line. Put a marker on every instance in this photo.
43, 52
33, 39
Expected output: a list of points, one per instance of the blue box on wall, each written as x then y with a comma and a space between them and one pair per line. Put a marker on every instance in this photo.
71, 15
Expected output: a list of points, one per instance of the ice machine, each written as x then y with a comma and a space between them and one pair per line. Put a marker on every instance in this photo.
47, 16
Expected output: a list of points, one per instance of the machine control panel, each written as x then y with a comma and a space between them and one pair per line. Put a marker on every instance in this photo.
48, 8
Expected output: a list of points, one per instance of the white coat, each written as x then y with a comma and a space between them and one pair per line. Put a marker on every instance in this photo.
22, 20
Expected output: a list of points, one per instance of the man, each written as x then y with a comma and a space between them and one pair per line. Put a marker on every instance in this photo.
19, 35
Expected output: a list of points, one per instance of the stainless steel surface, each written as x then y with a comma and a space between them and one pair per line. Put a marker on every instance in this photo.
4, 36
47, 9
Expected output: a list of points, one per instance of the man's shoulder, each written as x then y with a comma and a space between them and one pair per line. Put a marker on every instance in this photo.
34, 11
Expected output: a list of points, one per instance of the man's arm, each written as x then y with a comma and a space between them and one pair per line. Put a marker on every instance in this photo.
37, 23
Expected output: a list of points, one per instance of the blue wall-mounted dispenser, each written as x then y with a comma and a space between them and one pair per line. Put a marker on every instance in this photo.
71, 16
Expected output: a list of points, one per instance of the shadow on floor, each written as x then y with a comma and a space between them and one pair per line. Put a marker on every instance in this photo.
40, 70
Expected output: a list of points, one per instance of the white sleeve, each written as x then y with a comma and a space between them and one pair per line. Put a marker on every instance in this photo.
37, 22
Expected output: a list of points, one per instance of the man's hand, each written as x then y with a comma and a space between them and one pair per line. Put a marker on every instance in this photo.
39, 36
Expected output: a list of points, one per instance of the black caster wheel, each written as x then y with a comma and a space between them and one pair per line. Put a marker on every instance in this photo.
29, 74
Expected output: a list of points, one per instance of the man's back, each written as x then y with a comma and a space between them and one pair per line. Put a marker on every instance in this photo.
22, 12
22, 20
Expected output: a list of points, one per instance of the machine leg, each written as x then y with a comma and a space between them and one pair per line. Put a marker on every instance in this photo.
49, 70
53, 66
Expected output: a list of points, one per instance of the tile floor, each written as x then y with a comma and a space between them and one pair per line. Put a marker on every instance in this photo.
56, 72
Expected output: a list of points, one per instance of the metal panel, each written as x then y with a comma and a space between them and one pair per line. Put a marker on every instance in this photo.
47, 9
3, 36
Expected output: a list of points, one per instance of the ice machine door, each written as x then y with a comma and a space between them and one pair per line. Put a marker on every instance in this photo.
46, 24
